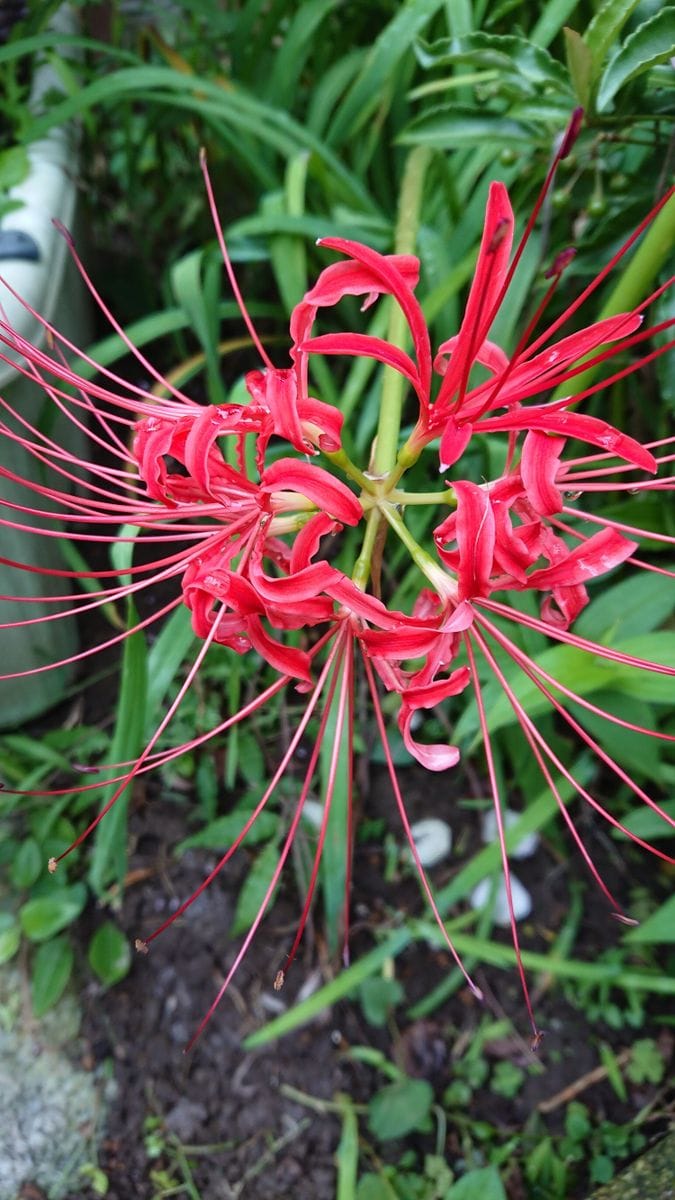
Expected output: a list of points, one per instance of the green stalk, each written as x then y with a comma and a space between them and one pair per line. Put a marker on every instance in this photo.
405, 240
634, 283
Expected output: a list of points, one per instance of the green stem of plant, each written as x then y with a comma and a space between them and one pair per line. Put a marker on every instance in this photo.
361, 572
432, 570
634, 283
405, 240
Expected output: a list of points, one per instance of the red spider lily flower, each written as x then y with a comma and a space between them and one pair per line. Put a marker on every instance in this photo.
243, 546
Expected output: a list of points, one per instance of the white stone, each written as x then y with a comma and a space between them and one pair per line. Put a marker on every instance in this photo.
433, 840
526, 846
522, 901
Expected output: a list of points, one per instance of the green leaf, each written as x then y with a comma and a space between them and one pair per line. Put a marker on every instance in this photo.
399, 1108
657, 929
46, 915
507, 53
580, 63
335, 766
379, 997
27, 865
647, 824
392, 44
643, 684
634, 606
10, 936
605, 27
451, 125
13, 166
165, 656
109, 954
51, 968
611, 1064
109, 856
222, 832
652, 43
252, 894
483, 1182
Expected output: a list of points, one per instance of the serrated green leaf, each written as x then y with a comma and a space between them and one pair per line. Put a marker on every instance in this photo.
44, 916
50, 971
399, 1108
505, 52
657, 929
10, 936
109, 954
653, 42
253, 892
605, 27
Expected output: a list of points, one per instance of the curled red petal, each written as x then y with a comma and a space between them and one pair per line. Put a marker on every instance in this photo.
330, 494
555, 419
539, 467
600, 553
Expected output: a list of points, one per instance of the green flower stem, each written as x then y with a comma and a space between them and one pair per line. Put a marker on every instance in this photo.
402, 498
361, 572
393, 384
438, 578
339, 458
634, 283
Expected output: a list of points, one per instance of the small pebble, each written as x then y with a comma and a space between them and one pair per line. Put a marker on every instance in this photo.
433, 840
522, 901
526, 846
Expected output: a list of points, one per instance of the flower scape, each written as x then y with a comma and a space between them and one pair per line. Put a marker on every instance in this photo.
244, 508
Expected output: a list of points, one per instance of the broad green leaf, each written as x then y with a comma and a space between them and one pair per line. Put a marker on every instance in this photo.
643, 684
252, 894
13, 166
571, 666
165, 656
44, 916
379, 997
452, 125
660, 927
27, 864
630, 749
653, 42
109, 954
647, 824
50, 971
580, 63
221, 833
399, 1108
10, 936
605, 27
484, 1182
634, 606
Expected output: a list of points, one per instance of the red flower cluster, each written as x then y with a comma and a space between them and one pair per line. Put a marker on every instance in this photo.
252, 525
